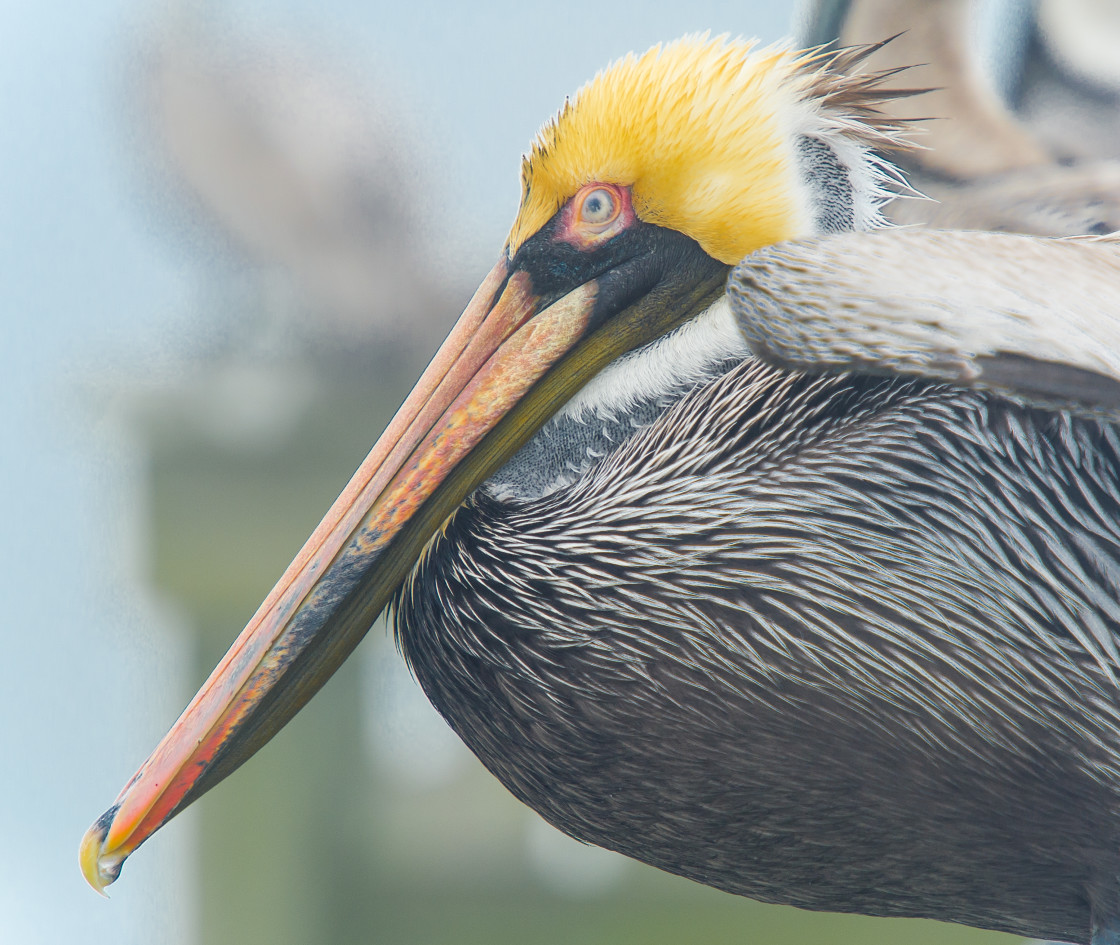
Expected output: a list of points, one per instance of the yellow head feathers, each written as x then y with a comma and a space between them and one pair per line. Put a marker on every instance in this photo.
700, 129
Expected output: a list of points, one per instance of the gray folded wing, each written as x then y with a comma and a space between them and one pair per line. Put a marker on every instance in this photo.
1031, 318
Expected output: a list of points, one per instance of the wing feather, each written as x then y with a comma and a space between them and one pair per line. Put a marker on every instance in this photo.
1031, 318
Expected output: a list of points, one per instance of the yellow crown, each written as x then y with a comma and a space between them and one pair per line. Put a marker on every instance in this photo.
704, 131
699, 130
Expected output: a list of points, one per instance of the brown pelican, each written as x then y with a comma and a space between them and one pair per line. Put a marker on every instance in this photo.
986, 166
830, 624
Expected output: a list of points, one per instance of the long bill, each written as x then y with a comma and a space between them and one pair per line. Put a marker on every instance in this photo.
510, 361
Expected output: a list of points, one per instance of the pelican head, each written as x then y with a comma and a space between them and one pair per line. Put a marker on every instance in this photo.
637, 198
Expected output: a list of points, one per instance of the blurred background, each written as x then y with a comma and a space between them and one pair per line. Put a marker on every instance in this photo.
230, 234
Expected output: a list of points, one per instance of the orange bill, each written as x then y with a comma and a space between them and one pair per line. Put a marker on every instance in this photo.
515, 355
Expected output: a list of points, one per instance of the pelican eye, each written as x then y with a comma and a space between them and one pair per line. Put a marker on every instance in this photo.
599, 207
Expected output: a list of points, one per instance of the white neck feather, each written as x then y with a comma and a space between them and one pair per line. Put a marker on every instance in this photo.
681, 358
855, 171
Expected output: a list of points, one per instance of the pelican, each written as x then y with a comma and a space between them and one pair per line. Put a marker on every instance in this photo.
988, 167
738, 532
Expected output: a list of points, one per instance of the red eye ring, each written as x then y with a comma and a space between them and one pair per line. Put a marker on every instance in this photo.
598, 208
597, 212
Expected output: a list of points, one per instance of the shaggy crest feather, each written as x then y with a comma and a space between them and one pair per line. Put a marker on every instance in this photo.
704, 132
852, 100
